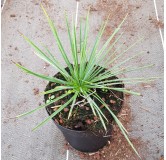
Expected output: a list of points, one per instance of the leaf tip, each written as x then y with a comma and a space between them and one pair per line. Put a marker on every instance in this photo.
41, 93
20, 33
35, 128
13, 62
41, 5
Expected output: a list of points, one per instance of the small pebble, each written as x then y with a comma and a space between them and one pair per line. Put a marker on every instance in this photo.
56, 121
36, 91
101, 106
87, 108
62, 102
12, 15
88, 121
82, 106
52, 84
95, 118
66, 109
103, 99
79, 124
150, 18
60, 121
112, 101
47, 64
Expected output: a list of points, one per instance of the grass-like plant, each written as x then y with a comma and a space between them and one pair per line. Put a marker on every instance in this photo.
84, 75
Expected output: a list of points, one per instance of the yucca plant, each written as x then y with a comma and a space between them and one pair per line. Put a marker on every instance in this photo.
87, 71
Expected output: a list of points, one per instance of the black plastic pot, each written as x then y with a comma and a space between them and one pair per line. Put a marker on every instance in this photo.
84, 141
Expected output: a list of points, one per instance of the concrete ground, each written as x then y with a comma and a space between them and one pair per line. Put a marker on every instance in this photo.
47, 143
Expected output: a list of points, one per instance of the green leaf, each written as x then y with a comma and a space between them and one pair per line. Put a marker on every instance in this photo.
125, 91
71, 108
128, 79
126, 60
71, 42
55, 113
108, 74
58, 88
130, 47
60, 46
92, 58
86, 96
42, 106
129, 69
93, 85
98, 108
96, 69
100, 114
119, 124
51, 79
83, 45
43, 56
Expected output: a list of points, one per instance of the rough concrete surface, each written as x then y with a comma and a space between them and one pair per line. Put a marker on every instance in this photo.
47, 143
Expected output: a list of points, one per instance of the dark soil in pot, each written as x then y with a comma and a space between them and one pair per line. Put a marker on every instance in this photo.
83, 130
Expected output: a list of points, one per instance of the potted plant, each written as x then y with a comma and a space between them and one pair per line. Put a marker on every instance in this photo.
84, 98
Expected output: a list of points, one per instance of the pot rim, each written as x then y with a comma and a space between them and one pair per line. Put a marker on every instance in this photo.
85, 131
88, 131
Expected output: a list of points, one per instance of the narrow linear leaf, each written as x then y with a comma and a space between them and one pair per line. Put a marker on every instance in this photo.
71, 108
42, 106
60, 46
51, 79
122, 128
54, 114
58, 88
